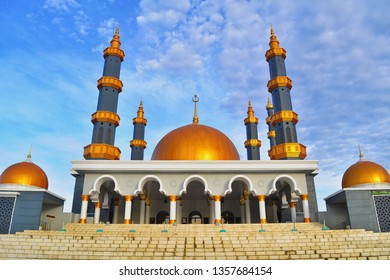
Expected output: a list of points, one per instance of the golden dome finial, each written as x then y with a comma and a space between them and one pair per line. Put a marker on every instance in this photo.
140, 115
115, 42
195, 119
269, 104
251, 113
29, 154
140, 112
360, 153
273, 43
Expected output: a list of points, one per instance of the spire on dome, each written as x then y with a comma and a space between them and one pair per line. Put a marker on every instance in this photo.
115, 42
29, 154
360, 153
195, 119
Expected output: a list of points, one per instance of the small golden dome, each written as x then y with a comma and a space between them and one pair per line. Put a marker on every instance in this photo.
195, 142
25, 173
365, 172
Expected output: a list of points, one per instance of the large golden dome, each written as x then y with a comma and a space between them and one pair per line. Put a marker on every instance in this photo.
365, 172
195, 142
25, 173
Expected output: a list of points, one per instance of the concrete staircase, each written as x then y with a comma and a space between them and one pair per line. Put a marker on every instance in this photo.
196, 242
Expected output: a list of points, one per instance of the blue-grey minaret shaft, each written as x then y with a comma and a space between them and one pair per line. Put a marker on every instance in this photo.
284, 118
252, 143
105, 119
138, 144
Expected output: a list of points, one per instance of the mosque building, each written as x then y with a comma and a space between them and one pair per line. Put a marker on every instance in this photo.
25, 201
195, 174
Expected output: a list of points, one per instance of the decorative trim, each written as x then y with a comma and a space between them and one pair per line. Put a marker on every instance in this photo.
138, 143
101, 150
284, 116
128, 197
173, 198
217, 198
114, 51
171, 222
105, 116
293, 204
304, 196
83, 221
279, 81
109, 81
140, 121
261, 197
307, 220
251, 120
252, 143
85, 197
287, 150
271, 134
127, 221
98, 205
219, 221
275, 51
263, 221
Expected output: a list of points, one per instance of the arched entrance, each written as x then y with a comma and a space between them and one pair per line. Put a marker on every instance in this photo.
151, 204
227, 217
195, 200
162, 217
195, 217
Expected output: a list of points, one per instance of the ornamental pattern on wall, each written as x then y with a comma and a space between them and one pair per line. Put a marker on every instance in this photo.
6, 209
382, 206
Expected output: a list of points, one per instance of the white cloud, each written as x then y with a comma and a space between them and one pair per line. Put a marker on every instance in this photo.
107, 27
60, 5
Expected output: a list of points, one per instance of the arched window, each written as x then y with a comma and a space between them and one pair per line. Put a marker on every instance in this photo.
288, 135
227, 217
108, 137
100, 135
162, 217
195, 217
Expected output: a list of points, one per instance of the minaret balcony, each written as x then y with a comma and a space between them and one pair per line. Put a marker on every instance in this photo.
138, 120
138, 143
271, 134
114, 51
287, 150
109, 81
105, 116
275, 51
279, 81
251, 119
252, 143
283, 116
101, 151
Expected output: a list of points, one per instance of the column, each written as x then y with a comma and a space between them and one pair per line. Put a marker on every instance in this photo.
217, 208
263, 215
275, 210
242, 207
305, 205
147, 215
142, 209
247, 207
84, 208
178, 211
98, 206
172, 209
293, 211
116, 210
128, 204
212, 210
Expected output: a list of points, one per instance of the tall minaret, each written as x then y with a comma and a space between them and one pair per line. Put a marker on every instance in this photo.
271, 130
284, 118
105, 119
252, 144
138, 144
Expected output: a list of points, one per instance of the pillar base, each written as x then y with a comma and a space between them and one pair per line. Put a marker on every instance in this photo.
83, 221
217, 221
127, 221
263, 221
171, 222
307, 220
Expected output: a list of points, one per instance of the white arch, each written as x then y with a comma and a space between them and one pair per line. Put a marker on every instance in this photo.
287, 178
193, 178
149, 178
243, 178
101, 180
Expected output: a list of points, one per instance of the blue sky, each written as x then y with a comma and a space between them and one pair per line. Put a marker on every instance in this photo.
338, 58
